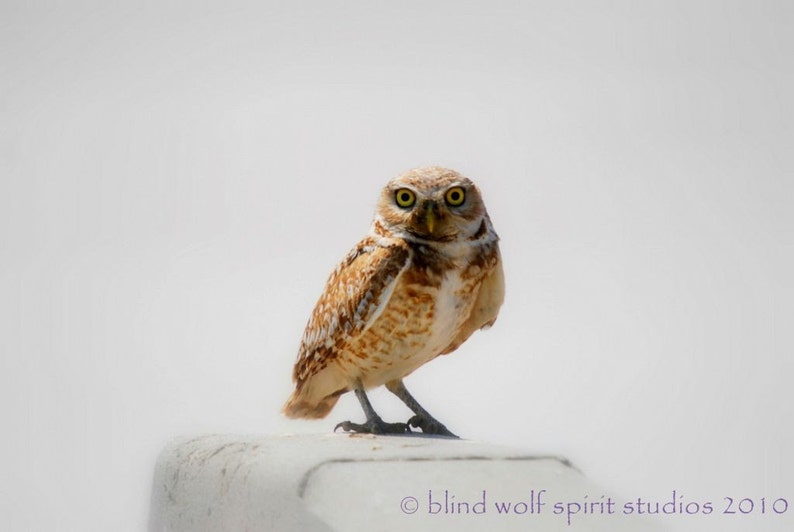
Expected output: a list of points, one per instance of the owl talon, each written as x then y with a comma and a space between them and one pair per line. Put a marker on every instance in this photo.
374, 426
430, 425
374, 423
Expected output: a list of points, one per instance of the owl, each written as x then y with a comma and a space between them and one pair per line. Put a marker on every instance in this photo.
427, 275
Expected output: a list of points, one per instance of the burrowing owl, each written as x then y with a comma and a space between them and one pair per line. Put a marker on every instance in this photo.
427, 276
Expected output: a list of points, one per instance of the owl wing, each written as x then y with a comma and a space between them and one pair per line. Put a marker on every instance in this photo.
488, 299
355, 294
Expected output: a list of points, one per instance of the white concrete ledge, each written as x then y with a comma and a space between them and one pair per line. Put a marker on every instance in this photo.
342, 482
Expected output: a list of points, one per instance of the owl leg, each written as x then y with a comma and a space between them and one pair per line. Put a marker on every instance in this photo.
422, 419
374, 423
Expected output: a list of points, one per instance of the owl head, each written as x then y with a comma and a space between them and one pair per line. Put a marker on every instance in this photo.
434, 204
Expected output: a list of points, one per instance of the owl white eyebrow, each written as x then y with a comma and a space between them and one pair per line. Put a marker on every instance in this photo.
454, 185
400, 187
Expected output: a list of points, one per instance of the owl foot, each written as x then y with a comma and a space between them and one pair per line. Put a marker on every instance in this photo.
429, 425
374, 423
422, 420
374, 426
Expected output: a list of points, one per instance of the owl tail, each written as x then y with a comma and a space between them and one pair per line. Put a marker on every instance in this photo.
298, 406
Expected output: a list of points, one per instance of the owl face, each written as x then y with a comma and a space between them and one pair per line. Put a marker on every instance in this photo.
434, 204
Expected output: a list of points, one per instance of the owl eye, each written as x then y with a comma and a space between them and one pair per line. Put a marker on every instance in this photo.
455, 196
405, 198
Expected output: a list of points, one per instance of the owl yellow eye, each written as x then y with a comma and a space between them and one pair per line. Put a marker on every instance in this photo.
455, 196
405, 198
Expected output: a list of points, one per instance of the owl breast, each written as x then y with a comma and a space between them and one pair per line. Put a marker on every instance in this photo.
452, 307
420, 320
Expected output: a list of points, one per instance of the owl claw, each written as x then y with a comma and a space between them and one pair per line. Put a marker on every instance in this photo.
430, 425
374, 426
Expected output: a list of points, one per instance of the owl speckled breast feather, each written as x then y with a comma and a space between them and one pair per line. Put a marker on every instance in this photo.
427, 275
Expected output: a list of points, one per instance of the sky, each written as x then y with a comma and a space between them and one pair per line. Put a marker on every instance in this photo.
178, 179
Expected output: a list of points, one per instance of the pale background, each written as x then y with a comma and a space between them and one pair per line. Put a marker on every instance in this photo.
178, 180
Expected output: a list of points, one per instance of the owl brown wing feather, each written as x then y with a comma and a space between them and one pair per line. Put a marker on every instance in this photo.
354, 295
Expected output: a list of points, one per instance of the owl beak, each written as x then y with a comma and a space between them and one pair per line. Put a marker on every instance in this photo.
430, 216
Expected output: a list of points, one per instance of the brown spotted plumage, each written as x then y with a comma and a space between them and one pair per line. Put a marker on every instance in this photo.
426, 277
